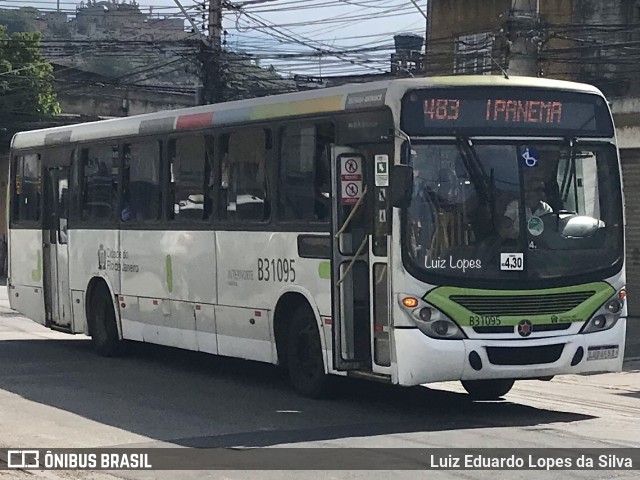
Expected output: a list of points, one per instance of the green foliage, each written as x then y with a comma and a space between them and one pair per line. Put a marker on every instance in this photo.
26, 83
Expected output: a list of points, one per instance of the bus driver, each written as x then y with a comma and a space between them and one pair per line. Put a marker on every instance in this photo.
535, 206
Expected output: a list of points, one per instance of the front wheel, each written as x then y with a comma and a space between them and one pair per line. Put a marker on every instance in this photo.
487, 389
304, 356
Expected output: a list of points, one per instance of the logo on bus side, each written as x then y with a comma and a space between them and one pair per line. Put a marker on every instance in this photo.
115, 260
102, 258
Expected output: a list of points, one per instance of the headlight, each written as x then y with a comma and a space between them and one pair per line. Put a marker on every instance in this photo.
614, 306
431, 321
600, 323
607, 316
438, 325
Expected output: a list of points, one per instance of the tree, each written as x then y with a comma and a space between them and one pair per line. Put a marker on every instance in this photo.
26, 84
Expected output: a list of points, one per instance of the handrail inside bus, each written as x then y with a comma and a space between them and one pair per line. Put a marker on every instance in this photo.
353, 260
352, 214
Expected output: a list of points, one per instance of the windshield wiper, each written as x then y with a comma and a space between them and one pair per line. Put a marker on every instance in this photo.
484, 184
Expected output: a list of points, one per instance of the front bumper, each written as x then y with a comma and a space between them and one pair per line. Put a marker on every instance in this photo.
421, 359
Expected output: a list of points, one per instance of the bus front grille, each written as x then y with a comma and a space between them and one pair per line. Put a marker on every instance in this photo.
525, 355
516, 305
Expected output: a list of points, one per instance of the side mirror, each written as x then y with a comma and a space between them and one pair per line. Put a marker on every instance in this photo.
401, 185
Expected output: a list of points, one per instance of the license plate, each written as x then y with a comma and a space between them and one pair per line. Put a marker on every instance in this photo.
604, 352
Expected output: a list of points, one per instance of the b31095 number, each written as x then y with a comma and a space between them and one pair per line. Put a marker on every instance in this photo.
276, 270
484, 321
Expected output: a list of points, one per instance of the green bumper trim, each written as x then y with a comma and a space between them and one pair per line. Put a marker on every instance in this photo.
440, 298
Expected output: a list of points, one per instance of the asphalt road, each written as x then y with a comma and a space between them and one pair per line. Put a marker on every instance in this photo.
55, 392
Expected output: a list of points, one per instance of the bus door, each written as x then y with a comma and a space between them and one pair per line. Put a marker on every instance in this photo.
56, 253
350, 264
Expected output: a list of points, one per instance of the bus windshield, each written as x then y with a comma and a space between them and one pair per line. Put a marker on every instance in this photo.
499, 211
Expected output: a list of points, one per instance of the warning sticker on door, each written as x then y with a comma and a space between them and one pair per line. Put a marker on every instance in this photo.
382, 170
350, 180
351, 192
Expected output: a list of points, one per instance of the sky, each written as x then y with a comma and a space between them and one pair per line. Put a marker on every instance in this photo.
354, 36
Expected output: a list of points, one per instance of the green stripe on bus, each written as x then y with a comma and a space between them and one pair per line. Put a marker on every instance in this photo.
169, 271
440, 298
298, 107
324, 270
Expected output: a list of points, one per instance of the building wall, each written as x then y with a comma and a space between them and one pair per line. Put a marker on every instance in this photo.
117, 102
557, 13
452, 18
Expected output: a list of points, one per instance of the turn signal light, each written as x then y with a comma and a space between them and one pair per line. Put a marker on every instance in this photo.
410, 302
622, 294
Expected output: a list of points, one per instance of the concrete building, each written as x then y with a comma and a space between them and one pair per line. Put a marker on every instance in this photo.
582, 40
81, 92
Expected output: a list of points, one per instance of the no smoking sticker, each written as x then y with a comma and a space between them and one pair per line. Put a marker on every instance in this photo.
351, 192
351, 166
350, 180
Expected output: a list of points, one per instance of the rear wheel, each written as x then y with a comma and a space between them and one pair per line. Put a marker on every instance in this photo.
104, 332
487, 389
304, 356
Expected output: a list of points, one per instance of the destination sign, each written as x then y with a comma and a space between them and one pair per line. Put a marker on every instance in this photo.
500, 111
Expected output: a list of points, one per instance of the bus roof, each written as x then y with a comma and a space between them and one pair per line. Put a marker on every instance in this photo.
350, 97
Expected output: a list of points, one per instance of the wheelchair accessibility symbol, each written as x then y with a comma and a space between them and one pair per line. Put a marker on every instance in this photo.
530, 157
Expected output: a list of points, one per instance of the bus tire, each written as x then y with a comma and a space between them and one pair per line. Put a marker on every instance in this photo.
104, 331
304, 356
487, 389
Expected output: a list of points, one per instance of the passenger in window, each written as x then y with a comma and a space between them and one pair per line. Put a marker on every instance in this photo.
127, 213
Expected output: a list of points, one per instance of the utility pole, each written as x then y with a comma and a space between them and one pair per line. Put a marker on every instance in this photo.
213, 78
523, 30
210, 54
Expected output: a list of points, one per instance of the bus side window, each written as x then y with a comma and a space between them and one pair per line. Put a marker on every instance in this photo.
190, 180
99, 171
28, 188
305, 178
244, 181
141, 182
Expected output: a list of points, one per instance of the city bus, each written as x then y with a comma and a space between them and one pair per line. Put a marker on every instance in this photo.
409, 231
